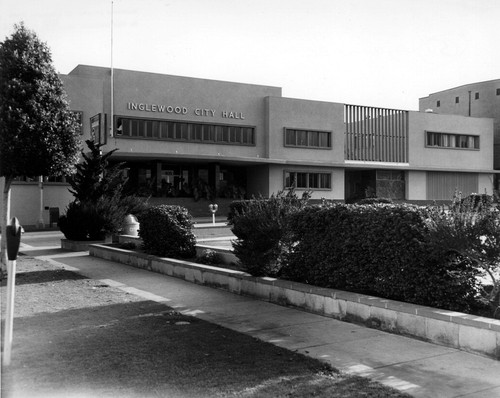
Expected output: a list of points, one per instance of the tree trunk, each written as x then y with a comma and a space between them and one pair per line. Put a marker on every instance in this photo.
5, 183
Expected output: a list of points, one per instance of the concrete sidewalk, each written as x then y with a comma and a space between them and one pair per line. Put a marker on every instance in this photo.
418, 368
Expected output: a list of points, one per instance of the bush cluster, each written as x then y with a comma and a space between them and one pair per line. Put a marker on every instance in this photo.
92, 220
167, 231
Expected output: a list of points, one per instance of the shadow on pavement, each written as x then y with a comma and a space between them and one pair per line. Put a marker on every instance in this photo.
138, 349
44, 276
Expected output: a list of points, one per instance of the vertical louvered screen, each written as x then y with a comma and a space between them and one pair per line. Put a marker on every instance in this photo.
376, 134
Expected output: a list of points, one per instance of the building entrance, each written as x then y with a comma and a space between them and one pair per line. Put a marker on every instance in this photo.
361, 184
198, 181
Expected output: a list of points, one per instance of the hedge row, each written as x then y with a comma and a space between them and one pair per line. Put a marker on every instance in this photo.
380, 249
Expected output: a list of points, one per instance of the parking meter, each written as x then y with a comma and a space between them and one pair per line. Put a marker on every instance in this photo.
13, 235
213, 208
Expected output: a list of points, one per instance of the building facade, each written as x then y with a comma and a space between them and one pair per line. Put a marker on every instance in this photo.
187, 139
480, 99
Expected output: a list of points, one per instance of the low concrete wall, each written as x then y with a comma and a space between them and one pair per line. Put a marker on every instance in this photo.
81, 245
453, 329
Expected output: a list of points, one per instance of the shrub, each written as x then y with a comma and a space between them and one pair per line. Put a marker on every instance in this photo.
209, 257
99, 207
236, 208
166, 231
260, 228
128, 245
371, 201
470, 232
379, 249
92, 220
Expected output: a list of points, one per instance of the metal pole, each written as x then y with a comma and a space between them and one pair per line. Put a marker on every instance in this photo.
9, 320
111, 122
41, 223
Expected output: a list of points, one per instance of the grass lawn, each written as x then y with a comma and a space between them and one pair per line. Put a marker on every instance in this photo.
76, 337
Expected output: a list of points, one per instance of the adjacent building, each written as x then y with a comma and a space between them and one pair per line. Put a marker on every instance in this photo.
185, 140
475, 100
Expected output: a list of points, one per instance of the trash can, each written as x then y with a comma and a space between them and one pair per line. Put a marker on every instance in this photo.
131, 226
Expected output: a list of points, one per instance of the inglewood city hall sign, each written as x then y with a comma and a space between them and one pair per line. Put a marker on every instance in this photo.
182, 110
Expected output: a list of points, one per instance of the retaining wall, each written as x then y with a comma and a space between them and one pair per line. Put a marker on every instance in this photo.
453, 329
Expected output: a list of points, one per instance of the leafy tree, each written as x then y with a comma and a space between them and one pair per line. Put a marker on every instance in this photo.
38, 131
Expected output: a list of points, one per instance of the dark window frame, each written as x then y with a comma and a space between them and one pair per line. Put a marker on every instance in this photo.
184, 131
303, 138
443, 140
302, 180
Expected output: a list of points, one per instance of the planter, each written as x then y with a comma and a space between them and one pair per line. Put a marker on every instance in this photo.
469, 333
82, 245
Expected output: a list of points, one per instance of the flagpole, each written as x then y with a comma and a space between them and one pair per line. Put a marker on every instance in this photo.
111, 122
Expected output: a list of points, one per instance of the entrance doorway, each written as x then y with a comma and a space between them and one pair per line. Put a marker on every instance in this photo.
359, 184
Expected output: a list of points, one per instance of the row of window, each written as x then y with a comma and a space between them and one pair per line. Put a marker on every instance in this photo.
307, 138
185, 131
445, 140
305, 180
457, 98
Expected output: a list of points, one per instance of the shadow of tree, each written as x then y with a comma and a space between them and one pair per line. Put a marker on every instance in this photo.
44, 276
139, 349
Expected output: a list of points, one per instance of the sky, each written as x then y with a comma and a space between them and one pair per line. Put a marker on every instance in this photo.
385, 53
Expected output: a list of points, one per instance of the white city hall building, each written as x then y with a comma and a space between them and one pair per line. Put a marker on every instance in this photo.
193, 141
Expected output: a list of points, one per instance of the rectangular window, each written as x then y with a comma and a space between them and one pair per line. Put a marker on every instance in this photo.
149, 129
438, 104
498, 91
445, 140
301, 138
185, 131
208, 133
457, 100
171, 130
324, 140
313, 180
302, 180
313, 138
307, 138
156, 129
291, 137
197, 132
476, 96
225, 134
306, 180
135, 128
235, 134
247, 135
